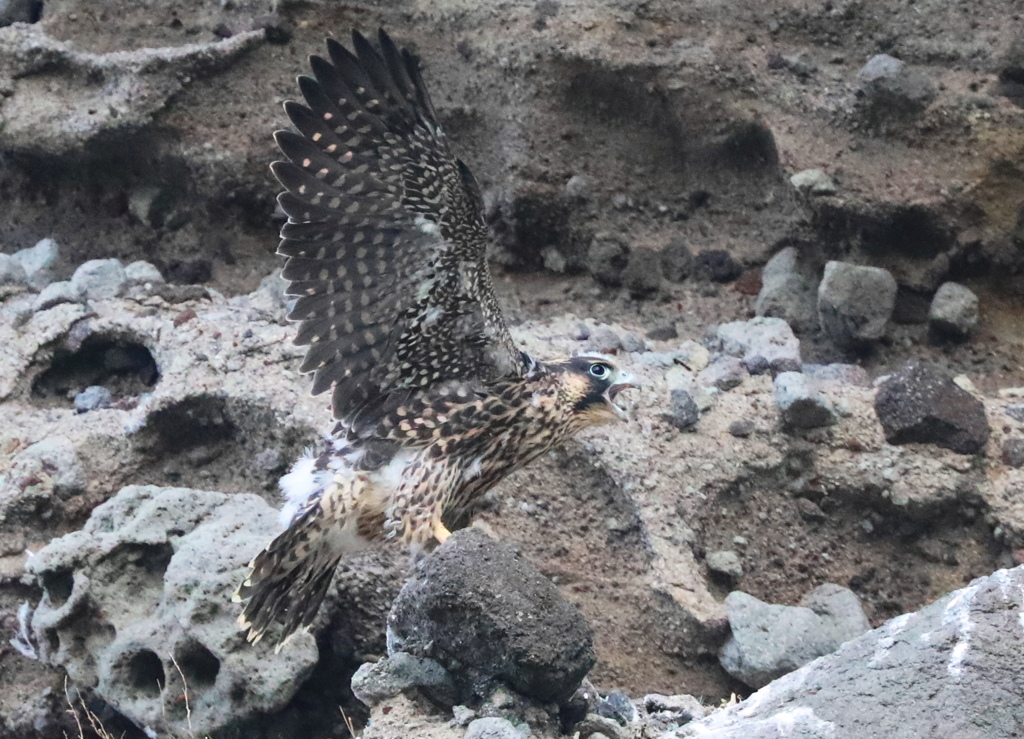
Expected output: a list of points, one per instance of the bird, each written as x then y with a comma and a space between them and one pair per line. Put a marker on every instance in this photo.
432, 401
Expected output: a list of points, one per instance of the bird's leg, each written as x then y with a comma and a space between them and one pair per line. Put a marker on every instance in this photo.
440, 532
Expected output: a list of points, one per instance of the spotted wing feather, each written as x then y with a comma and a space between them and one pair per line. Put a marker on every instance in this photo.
385, 240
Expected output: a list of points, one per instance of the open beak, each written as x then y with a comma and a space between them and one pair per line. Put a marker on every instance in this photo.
623, 381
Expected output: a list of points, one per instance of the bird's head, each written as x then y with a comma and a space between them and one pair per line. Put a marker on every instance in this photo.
591, 384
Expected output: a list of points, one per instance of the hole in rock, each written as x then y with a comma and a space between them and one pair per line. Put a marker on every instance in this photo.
207, 442
145, 673
123, 366
913, 231
58, 586
198, 664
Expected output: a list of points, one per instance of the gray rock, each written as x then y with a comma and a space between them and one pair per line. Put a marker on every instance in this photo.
1012, 64
54, 458
954, 312
56, 293
742, 428
155, 568
485, 614
892, 92
13, 277
800, 404
92, 398
954, 664
789, 290
855, 303
579, 188
770, 640
921, 405
379, 681
100, 279
680, 709
642, 276
724, 373
1016, 412
607, 259
813, 182
493, 728
838, 374
1013, 452
676, 261
760, 343
141, 273
617, 706
604, 340
725, 563
683, 410
716, 265
632, 342
879, 66
38, 262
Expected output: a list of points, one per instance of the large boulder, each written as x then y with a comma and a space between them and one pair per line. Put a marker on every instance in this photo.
137, 606
485, 614
855, 303
769, 640
922, 405
952, 669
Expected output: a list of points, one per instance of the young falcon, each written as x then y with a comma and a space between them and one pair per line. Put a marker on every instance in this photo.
386, 258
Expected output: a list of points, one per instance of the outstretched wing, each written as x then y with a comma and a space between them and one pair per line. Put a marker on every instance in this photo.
385, 239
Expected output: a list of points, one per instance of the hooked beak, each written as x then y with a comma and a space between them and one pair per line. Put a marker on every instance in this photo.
623, 381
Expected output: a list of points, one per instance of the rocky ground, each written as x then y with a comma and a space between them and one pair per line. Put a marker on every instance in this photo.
656, 177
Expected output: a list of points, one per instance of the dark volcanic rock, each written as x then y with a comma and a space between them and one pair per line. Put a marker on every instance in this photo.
683, 410
485, 614
606, 260
716, 265
642, 276
676, 261
921, 405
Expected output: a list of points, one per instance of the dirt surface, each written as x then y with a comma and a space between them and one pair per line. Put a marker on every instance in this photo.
685, 124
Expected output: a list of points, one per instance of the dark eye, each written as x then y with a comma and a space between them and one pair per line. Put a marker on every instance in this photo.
600, 371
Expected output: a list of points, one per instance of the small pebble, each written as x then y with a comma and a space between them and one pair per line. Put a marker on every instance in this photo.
92, 398
741, 429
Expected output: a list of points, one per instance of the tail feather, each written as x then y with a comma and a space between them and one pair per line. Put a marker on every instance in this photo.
288, 580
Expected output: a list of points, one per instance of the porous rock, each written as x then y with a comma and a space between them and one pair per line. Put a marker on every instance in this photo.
762, 343
800, 404
485, 614
140, 272
954, 312
1012, 452
726, 563
919, 404
492, 727
378, 681
855, 303
813, 182
769, 640
788, 290
954, 664
146, 583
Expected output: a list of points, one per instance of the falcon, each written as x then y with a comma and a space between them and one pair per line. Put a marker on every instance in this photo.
433, 402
